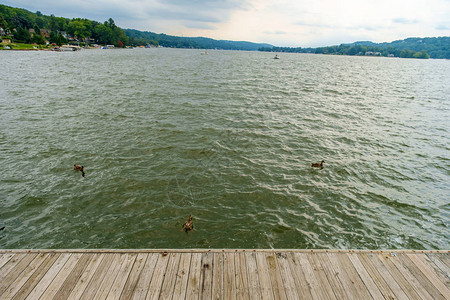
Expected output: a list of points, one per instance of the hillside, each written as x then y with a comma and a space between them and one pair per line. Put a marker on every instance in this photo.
145, 37
436, 47
431, 47
29, 27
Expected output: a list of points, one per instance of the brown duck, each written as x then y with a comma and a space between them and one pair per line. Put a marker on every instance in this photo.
317, 165
79, 168
188, 226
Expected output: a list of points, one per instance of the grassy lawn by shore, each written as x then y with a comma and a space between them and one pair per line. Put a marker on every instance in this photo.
21, 46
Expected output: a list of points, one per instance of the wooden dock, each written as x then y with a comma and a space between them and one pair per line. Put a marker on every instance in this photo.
224, 274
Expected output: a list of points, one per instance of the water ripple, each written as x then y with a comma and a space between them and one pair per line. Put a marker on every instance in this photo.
228, 138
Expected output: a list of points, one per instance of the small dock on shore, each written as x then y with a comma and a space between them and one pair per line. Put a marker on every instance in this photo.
224, 274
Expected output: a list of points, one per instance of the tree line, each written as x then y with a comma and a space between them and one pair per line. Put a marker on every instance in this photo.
17, 23
436, 47
171, 41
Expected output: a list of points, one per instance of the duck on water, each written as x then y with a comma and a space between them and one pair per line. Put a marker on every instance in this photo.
79, 168
318, 165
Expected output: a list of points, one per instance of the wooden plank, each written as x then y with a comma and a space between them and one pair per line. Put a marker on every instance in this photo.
421, 278
254, 288
418, 287
241, 276
58, 280
193, 287
107, 282
356, 282
99, 274
441, 275
146, 277
86, 276
264, 276
206, 276
224, 275
217, 288
182, 276
320, 275
304, 288
445, 291
16, 268
158, 277
74, 276
275, 277
395, 287
122, 276
170, 277
4, 259
332, 276
36, 277
437, 259
133, 278
24, 276
286, 276
229, 276
402, 282
343, 273
49, 276
10, 265
310, 277
365, 277
384, 288
445, 258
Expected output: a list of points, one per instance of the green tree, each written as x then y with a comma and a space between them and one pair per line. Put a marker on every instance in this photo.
80, 28
57, 38
37, 30
22, 35
38, 39
3, 23
104, 34
422, 54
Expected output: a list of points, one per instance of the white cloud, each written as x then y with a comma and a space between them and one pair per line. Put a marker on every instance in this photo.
284, 22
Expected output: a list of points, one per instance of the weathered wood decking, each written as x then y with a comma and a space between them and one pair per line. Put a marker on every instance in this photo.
224, 274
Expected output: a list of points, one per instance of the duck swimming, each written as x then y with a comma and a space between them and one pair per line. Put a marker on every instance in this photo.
317, 165
79, 168
188, 226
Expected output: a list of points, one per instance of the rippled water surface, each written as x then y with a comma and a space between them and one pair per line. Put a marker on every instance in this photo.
229, 138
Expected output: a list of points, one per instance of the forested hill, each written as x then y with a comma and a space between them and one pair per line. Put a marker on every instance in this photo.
145, 37
24, 26
436, 47
429, 47
17, 23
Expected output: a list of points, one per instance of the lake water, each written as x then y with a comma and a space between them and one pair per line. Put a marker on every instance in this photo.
228, 138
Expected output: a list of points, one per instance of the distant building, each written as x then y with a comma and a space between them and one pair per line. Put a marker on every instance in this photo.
370, 53
45, 33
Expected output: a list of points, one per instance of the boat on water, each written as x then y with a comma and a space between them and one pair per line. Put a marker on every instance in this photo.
276, 56
66, 48
204, 53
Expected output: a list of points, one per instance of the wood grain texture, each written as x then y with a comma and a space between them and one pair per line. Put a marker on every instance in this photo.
226, 274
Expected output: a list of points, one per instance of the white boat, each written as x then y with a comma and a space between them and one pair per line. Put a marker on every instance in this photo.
276, 56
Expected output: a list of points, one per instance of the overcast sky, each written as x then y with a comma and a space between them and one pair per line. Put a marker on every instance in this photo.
304, 23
